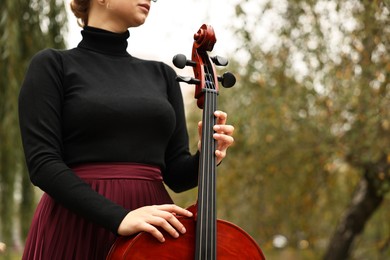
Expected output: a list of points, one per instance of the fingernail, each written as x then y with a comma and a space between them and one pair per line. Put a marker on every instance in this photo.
183, 230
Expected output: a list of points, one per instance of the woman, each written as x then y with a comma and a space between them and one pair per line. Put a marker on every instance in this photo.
101, 131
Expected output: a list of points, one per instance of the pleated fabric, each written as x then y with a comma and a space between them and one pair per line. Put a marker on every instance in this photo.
58, 233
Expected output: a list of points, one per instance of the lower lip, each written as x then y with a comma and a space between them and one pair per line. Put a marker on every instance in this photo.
146, 10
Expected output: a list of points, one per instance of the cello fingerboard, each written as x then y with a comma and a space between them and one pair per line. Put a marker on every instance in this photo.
206, 226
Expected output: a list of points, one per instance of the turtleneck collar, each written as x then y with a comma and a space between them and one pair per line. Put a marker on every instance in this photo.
105, 42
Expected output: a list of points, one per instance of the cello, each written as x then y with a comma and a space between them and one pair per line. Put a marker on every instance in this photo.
207, 238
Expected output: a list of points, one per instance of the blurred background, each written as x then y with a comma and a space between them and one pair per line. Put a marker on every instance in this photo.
309, 174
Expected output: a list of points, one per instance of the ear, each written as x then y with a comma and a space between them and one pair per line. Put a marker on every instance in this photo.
101, 2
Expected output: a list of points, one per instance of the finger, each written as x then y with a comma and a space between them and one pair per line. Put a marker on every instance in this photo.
199, 135
172, 208
167, 223
200, 129
223, 141
153, 231
220, 155
224, 129
221, 117
169, 215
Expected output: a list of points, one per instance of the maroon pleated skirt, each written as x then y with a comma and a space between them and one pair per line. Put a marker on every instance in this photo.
57, 233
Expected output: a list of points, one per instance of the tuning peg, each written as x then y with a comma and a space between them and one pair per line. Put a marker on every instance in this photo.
180, 61
219, 61
227, 80
187, 80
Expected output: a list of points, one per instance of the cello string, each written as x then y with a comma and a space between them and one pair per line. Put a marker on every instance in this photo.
202, 203
207, 106
206, 239
214, 218
202, 238
213, 194
211, 106
207, 127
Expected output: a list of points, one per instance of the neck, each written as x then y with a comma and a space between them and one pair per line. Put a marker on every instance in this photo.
103, 41
103, 22
99, 16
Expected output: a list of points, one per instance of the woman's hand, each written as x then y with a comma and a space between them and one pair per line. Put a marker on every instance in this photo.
148, 218
223, 134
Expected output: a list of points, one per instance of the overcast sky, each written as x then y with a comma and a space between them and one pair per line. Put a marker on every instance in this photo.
170, 27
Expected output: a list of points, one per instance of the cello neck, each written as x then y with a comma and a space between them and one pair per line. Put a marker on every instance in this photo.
206, 93
206, 218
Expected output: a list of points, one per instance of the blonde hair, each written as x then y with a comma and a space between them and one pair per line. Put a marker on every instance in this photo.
80, 8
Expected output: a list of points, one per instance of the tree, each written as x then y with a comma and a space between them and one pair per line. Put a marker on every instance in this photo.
311, 111
26, 26
367, 139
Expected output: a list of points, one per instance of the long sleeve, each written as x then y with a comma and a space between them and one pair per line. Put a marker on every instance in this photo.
40, 110
178, 158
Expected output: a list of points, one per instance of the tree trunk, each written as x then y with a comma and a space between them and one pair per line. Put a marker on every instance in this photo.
364, 203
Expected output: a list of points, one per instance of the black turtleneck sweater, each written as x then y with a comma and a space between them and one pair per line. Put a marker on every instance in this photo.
97, 103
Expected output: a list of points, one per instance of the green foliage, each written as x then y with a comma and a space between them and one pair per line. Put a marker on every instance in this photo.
26, 27
311, 112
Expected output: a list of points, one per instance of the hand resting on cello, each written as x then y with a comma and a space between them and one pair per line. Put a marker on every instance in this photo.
149, 217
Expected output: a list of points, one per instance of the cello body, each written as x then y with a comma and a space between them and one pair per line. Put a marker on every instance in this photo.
233, 243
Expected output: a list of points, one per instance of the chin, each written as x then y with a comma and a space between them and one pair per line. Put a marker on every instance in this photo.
137, 22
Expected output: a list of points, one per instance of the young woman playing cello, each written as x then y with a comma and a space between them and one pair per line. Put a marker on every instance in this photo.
102, 131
